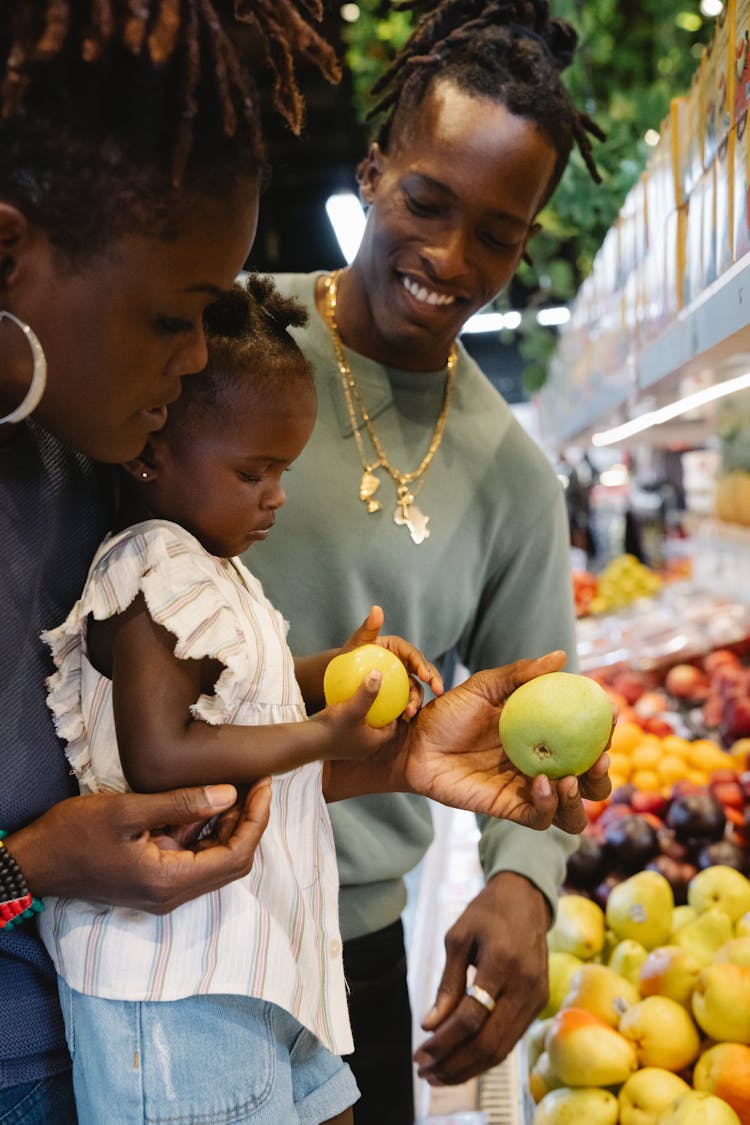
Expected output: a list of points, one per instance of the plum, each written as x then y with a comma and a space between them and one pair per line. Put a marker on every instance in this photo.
631, 841
696, 815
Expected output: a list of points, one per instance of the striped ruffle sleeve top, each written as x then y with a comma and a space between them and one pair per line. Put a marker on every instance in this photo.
273, 934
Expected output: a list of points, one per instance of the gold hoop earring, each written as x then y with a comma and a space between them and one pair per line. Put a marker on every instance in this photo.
34, 394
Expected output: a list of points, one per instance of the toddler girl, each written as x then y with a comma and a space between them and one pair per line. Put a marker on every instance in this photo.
173, 669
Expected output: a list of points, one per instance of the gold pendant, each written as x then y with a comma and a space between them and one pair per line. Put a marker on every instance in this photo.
368, 486
407, 514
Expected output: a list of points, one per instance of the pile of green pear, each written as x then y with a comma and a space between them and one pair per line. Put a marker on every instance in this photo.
648, 1018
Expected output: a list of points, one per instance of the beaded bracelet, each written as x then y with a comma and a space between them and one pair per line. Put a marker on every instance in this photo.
16, 900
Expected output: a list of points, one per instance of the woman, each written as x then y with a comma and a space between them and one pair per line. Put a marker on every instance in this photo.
130, 159
433, 502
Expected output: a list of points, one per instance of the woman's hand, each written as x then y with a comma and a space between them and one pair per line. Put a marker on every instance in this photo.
416, 664
114, 847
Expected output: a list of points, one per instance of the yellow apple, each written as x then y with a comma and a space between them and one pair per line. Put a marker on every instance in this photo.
626, 959
578, 927
737, 951
601, 991
720, 886
641, 908
705, 934
724, 1070
560, 970
681, 915
572, 1107
556, 724
670, 970
348, 670
585, 1051
647, 1094
699, 1108
662, 1032
721, 1002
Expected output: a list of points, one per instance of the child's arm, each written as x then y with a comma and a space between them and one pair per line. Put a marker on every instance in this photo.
309, 670
162, 746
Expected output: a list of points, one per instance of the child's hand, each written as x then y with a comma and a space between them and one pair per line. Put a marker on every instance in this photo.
348, 736
418, 667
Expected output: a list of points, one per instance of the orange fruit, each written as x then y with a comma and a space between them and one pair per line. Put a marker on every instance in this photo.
619, 764
671, 769
646, 780
645, 757
625, 737
673, 744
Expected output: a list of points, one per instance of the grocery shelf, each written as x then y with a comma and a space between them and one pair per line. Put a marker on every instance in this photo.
708, 341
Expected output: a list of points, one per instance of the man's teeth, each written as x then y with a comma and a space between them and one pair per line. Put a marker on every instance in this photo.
426, 295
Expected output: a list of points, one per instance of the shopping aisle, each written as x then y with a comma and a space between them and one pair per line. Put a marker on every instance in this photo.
439, 888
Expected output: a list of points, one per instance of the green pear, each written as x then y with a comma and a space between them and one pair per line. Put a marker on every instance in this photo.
736, 951
557, 724
670, 970
663, 1033
706, 934
584, 1050
560, 968
626, 959
720, 886
721, 1002
601, 991
572, 1107
647, 1094
641, 908
578, 927
681, 915
698, 1108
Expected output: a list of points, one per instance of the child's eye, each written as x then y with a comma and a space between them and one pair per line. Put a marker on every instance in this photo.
249, 478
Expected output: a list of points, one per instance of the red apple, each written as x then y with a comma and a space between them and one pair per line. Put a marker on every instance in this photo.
711, 711
630, 685
729, 679
594, 809
658, 726
735, 717
686, 682
651, 704
655, 803
728, 792
719, 656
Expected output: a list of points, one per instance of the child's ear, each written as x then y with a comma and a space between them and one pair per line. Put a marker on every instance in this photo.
144, 467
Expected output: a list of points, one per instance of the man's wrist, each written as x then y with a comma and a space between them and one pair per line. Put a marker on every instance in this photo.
522, 885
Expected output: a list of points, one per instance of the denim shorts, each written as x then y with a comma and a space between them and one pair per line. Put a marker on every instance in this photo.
204, 1060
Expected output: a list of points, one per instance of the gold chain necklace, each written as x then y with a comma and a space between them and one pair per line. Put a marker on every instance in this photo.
406, 514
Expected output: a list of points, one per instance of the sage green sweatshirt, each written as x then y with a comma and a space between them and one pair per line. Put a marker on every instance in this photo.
491, 584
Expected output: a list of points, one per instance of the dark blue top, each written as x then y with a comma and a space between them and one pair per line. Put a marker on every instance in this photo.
55, 509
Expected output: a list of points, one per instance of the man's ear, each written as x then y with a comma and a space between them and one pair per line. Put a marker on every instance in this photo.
145, 467
15, 239
369, 171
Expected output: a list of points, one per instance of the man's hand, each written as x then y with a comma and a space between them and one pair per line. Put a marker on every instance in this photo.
452, 753
114, 847
503, 933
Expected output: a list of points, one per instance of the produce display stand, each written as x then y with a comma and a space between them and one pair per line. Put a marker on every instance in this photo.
449, 877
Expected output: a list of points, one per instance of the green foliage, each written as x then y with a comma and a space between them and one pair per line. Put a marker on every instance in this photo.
632, 59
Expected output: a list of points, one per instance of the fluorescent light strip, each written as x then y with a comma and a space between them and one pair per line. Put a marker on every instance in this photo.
548, 318
672, 410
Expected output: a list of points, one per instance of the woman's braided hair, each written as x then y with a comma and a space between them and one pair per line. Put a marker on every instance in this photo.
115, 113
510, 51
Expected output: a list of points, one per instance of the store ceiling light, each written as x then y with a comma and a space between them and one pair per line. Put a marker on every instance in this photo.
651, 137
549, 318
672, 410
711, 8
347, 218
492, 322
